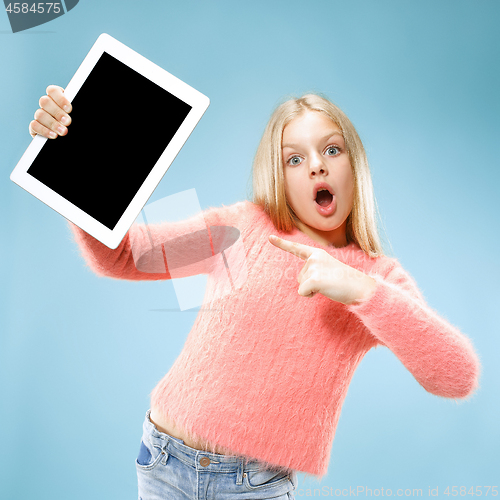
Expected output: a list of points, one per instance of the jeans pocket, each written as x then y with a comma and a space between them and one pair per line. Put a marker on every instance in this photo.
149, 456
265, 479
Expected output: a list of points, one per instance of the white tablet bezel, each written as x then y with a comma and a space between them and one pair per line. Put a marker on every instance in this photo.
198, 102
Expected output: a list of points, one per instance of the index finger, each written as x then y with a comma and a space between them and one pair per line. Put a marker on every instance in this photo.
57, 95
297, 249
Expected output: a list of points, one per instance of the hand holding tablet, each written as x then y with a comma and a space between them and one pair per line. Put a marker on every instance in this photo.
100, 180
52, 119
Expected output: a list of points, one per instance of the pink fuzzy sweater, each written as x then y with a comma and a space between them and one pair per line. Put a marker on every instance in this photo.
264, 371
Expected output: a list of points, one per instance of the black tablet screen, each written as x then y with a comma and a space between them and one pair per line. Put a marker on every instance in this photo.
121, 124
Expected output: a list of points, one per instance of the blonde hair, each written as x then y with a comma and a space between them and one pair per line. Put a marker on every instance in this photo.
269, 180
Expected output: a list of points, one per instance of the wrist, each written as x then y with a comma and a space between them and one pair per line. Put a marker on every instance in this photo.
366, 290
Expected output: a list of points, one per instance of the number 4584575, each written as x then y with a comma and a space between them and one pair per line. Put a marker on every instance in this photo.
478, 491
35, 8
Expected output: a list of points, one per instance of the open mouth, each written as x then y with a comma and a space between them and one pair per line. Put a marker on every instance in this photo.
323, 198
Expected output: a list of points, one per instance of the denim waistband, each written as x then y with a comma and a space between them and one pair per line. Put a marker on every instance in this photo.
198, 458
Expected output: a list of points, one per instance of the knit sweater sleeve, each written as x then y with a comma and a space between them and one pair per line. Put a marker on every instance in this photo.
439, 356
154, 252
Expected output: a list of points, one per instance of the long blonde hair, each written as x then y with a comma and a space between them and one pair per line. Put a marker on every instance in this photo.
269, 180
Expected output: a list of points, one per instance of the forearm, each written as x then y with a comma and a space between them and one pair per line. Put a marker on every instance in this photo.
439, 356
119, 262
153, 252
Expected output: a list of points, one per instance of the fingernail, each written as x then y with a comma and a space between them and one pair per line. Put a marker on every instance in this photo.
53, 135
66, 108
64, 120
61, 130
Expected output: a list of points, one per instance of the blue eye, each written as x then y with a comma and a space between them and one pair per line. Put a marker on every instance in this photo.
334, 148
293, 162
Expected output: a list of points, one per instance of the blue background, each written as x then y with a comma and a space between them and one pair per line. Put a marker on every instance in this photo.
79, 355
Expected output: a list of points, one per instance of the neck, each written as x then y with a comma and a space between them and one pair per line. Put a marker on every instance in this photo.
336, 237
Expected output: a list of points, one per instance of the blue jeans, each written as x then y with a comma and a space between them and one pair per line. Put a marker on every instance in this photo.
167, 469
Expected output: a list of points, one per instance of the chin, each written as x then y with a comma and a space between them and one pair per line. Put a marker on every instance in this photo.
324, 225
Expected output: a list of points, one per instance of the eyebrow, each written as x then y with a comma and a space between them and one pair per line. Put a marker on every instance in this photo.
327, 136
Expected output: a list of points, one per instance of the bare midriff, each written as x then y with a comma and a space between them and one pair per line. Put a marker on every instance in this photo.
169, 427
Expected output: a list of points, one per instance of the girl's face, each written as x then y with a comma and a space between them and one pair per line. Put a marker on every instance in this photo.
319, 184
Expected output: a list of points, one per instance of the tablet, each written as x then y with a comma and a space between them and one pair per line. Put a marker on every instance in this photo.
130, 118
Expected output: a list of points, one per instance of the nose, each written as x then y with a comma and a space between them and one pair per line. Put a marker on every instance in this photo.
317, 166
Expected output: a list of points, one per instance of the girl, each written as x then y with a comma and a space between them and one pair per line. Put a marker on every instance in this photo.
256, 393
